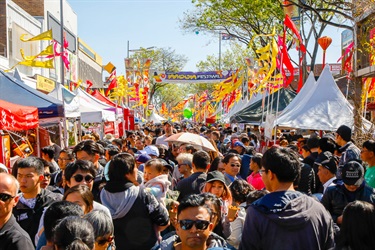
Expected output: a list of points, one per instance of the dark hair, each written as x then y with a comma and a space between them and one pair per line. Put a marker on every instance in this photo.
201, 159
230, 156
191, 148
112, 150
358, 225
49, 150
313, 142
71, 155
283, 162
156, 164
255, 195
32, 162
121, 165
240, 190
306, 148
118, 143
257, 158
215, 164
370, 145
56, 212
85, 166
193, 200
89, 146
84, 191
326, 144
74, 233
46, 164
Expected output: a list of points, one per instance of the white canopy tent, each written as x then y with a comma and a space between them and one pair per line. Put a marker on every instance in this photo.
93, 110
71, 102
155, 118
322, 106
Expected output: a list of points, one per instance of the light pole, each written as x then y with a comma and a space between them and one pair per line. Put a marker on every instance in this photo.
133, 68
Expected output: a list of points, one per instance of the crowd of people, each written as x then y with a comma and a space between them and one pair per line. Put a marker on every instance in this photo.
143, 192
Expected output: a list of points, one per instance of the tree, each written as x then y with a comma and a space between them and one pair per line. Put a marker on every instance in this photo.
162, 59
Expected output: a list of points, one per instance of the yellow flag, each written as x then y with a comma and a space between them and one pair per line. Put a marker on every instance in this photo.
45, 64
47, 35
46, 52
109, 67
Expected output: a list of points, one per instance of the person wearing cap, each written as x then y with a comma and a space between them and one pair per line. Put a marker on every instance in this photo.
353, 187
152, 151
168, 131
285, 218
348, 150
368, 155
327, 171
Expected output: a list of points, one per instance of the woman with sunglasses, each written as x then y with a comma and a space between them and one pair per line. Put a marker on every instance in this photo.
82, 172
103, 230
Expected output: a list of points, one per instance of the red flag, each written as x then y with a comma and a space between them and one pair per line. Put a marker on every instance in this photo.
89, 85
289, 23
112, 85
285, 61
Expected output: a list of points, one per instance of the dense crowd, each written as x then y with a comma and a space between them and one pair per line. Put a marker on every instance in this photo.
144, 191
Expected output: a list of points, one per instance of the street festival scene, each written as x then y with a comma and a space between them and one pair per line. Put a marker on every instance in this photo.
248, 124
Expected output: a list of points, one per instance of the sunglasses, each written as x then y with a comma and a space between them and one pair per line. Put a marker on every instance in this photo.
104, 241
235, 165
79, 178
199, 224
47, 175
5, 197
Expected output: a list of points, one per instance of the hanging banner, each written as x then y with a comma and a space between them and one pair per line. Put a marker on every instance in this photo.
192, 77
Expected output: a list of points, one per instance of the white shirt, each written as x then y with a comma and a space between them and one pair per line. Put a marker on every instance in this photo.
329, 183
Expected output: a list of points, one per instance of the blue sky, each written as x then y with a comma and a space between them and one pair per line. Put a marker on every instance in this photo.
107, 25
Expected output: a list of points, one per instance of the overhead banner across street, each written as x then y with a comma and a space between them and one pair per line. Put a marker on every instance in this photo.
192, 77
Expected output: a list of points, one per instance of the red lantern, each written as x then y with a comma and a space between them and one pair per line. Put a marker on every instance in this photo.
324, 43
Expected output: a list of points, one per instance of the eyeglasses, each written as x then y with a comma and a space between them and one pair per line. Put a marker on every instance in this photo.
179, 165
199, 224
103, 241
47, 175
5, 197
79, 178
262, 171
235, 165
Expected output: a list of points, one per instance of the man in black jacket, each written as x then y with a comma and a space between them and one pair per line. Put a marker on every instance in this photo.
194, 183
353, 188
33, 199
12, 236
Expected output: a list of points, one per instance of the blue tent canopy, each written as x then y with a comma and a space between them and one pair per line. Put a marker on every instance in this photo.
15, 91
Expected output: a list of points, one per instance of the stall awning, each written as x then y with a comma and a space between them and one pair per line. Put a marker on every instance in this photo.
17, 117
15, 91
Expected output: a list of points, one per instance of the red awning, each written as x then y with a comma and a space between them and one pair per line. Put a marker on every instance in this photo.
17, 117
104, 99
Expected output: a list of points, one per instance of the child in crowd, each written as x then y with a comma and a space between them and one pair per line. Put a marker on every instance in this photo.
255, 179
155, 181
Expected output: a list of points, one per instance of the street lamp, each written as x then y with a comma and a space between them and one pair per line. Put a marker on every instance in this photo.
136, 50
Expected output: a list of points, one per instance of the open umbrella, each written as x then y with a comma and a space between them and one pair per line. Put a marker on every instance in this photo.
190, 138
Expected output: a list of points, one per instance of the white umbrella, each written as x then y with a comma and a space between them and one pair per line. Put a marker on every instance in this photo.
190, 138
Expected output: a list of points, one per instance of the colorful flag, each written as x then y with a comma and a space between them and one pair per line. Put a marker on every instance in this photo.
47, 35
109, 67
